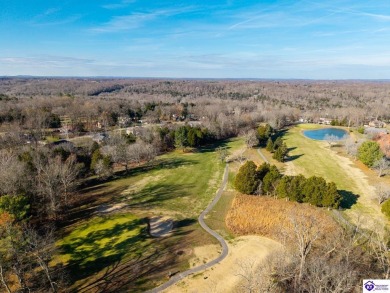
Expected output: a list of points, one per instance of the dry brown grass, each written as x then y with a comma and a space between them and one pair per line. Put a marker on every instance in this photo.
266, 216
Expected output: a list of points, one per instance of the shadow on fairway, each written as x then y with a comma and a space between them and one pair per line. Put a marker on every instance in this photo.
292, 158
348, 199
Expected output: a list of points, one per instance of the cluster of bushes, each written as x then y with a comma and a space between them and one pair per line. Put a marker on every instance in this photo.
278, 148
264, 132
267, 179
183, 137
337, 122
369, 152
386, 208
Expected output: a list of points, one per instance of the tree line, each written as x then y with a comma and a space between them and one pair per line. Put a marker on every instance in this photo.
266, 179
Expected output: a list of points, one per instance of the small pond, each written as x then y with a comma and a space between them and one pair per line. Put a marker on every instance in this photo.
325, 133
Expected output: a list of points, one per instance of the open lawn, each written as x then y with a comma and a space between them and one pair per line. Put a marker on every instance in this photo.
111, 251
309, 157
216, 218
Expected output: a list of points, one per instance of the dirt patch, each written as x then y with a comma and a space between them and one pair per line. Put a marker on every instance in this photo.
160, 226
139, 185
224, 277
204, 254
106, 208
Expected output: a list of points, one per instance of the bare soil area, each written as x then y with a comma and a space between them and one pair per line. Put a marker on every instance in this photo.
160, 226
224, 277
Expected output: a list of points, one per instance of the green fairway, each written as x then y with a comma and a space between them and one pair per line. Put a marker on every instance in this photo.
101, 237
178, 185
178, 181
312, 157
309, 157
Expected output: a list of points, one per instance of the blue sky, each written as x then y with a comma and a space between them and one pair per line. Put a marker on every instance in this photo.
201, 39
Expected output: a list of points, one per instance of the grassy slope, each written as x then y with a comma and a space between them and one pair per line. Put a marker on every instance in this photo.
177, 184
315, 158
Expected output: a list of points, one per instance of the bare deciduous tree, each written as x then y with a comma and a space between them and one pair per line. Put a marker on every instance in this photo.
306, 229
251, 139
379, 249
56, 179
222, 153
331, 139
382, 192
382, 166
41, 247
12, 179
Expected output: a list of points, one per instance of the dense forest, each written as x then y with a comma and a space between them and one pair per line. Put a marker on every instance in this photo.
41, 101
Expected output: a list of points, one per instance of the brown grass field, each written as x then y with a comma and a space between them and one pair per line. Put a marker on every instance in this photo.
266, 216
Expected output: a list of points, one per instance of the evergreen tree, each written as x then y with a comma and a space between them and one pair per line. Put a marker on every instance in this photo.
331, 197
96, 157
181, 137
16, 205
270, 145
277, 143
314, 190
270, 180
280, 153
296, 188
246, 180
283, 189
369, 152
263, 133
262, 170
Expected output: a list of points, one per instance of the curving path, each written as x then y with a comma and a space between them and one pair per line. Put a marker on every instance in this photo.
222, 241
262, 156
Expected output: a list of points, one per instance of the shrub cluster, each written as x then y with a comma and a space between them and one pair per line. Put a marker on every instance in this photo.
369, 152
278, 147
264, 132
386, 208
267, 179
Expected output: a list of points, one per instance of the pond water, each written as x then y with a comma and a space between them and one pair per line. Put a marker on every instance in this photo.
325, 133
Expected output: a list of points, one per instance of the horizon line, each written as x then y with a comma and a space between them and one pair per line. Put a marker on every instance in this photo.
21, 76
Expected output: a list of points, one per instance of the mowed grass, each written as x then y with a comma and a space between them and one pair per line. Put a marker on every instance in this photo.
178, 184
312, 157
101, 237
316, 158
97, 250
216, 219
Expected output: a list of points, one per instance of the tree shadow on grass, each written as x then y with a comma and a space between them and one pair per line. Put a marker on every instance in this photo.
292, 158
185, 222
348, 199
138, 272
279, 133
211, 147
95, 192
158, 164
157, 193
98, 249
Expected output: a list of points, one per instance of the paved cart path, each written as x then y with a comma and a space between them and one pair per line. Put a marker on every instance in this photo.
178, 277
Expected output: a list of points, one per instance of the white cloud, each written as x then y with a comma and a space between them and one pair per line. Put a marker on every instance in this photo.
122, 4
135, 20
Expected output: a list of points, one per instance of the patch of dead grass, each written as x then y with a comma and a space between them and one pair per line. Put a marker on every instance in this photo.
266, 216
